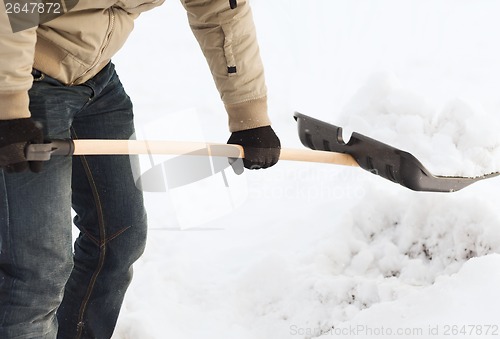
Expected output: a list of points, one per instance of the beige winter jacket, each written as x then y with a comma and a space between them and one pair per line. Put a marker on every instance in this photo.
77, 45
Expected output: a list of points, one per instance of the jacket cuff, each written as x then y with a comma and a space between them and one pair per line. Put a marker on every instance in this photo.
14, 105
248, 114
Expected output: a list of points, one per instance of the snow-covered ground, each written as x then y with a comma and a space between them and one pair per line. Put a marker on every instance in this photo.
318, 250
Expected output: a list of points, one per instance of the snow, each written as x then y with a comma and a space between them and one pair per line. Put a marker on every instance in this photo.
455, 140
313, 250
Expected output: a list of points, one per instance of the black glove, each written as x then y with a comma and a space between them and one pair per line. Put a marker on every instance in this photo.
262, 146
15, 135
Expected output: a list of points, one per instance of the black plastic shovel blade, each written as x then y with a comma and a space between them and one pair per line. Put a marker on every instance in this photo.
378, 158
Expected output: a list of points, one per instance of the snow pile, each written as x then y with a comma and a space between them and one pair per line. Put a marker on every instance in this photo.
387, 247
446, 309
417, 238
300, 279
458, 139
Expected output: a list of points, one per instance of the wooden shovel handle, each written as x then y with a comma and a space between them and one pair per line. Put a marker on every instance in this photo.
124, 147
317, 156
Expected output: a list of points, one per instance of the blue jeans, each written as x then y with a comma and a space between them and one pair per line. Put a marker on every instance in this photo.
46, 289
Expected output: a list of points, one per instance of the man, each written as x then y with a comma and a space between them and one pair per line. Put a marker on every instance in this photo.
56, 81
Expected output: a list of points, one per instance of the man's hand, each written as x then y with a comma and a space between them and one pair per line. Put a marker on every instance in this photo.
15, 135
262, 146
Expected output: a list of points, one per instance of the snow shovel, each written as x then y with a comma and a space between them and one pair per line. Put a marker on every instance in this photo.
324, 139
378, 158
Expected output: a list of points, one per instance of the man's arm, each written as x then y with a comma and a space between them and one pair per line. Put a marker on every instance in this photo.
17, 52
228, 40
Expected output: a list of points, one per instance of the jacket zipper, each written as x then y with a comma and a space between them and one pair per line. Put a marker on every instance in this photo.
104, 45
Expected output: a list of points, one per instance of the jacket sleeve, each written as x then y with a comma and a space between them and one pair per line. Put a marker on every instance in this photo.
16, 61
228, 40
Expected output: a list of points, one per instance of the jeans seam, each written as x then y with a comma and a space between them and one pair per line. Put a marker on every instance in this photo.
117, 234
91, 237
107, 240
101, 245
